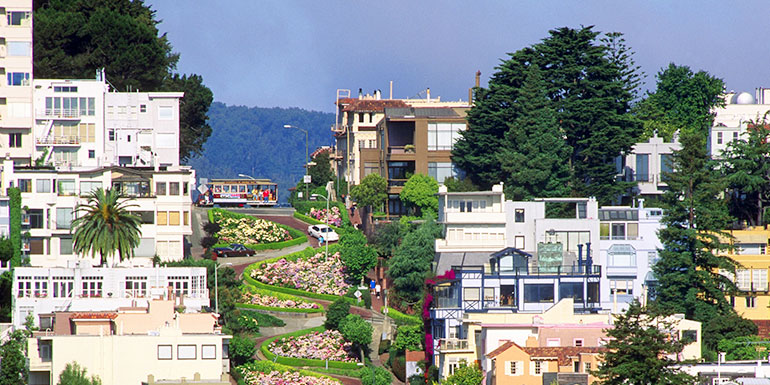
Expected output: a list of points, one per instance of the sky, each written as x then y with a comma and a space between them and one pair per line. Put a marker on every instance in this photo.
297, 53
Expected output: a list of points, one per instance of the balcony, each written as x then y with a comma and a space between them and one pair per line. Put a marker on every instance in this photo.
25, 246
397, 182
446, 345
560, 271
25, 221
60, 113
58, 141
754, 287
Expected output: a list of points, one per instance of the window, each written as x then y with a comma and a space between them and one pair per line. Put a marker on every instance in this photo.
25, 185
18, 78
92, 287
719, 138
538, 293
65, 89
514, 368
43, 185
622, 287
112, 135
466, 206
147, 217
63, 217
208, 352
165, 113
36, 220
24, 286
63, 287
759, 279
164, 352
572, 290
142, 108
162, 218
14, 140
19, 48
735, 136
578, 342
518, 242
442, 136
173, 188
642, 167
136, 286
64, 156
186, 352
360, 117
576, 366
587, 366
538, 367
19, 18
173, 218
471, 294
66, 186
442, 170
666, 165
185, 189
160, 188
519, 216
65, 246
186, 218
621, 255
180, 285
91, 154
89, 186
41, 287
751, 302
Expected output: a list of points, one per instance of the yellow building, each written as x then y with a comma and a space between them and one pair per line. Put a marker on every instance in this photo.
513, 364
750, 252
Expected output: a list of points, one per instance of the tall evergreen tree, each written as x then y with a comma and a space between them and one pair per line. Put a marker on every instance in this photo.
747, 169
534, 156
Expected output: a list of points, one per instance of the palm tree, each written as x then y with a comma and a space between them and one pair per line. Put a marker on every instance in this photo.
105, 226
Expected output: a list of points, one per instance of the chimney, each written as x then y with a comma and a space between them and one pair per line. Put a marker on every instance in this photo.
378, 94
391, 90
360, 93
428, 93
478, 78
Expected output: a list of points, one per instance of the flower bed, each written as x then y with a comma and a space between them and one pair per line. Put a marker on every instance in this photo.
326, 345
317, 274
295, 361
269, 373
250, 298
332, 216
254, 233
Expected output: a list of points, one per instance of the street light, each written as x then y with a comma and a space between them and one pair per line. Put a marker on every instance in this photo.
305, 166
216, 286
247, 176
326, 220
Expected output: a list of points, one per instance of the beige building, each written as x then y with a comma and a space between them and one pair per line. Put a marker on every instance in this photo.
16, 119
132, 346
512, 363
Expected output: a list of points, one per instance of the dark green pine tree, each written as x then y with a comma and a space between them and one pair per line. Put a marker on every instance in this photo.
592, 99
534, 156
693, 254
494, 108
748, 174
638, 349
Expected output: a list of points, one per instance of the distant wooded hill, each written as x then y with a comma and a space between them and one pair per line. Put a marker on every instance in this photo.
253, 141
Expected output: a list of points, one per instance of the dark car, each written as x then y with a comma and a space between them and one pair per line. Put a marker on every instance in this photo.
235, 250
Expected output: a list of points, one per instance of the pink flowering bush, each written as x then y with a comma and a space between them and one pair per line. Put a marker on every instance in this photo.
270, 301
317, 274
332, 215
251, 231
275, 377
326, 345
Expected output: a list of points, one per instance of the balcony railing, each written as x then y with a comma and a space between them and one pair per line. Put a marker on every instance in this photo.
25, 221
61, 140
754, 287
452, 344
396, 182
618, 237
570, 270
62, 113
409, 149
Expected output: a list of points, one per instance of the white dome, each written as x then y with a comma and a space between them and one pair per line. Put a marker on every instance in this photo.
744, 98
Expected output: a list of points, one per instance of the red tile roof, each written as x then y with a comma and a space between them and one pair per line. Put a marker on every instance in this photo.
501, 349
560, 353
94, 316
370, 105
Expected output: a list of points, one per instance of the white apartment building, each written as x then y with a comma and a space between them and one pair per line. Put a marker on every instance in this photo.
647, 163
16, 64
49, 198
732, 120
43, 291
84, 124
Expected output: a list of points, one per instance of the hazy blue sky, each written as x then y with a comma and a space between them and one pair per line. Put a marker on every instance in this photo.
297, 53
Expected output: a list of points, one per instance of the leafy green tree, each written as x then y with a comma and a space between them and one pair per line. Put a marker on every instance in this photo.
6, 287
638, 348
372, 191
105, 227
242, 350
73, 374
409, 337
194, 129
357, 257
13, 354
381, 376
747, 170
411, 261
388, 237
589, 88
336, 312
534, 155
465, 375
75, 38
419, 193
459, 185
744, 348
695, 216
321, 172
356, 330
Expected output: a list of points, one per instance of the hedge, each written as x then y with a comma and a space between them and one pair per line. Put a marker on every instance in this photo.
307, 253
15, 218
291, 361
278, 295
401, 318
298, 237
269, 366
303, 207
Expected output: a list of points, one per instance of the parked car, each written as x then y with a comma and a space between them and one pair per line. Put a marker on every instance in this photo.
235, 250
319, 231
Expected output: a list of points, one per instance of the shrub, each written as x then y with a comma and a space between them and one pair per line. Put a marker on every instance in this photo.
366, 297
338, 310
208, 242
384, 347
211, 228
357, 257
270, 373
242, 350
356, 330
381, 376
408, 337
399, 367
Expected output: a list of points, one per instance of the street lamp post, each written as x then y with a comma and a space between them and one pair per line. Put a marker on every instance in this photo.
216, 286
306, 153
247, 176
326, 220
